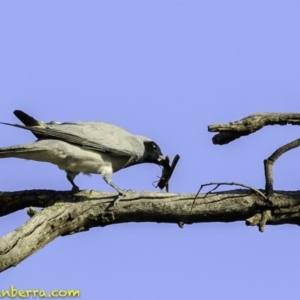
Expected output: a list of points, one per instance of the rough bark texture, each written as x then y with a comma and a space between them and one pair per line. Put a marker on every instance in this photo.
234, 130
64, 213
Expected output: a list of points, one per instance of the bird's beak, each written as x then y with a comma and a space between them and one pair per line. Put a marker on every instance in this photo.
161, 159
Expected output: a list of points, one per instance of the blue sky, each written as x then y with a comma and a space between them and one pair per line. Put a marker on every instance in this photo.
166, 70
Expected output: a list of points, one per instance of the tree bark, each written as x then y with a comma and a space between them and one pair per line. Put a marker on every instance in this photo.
64, 213
234, 130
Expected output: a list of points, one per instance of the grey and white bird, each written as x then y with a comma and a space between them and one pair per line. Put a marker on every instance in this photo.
87, 147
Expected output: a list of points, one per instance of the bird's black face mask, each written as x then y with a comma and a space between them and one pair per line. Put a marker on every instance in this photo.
153, 153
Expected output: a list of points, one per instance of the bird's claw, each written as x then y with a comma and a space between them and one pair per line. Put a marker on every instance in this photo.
125, 192
130, 191
75, 189
122, 193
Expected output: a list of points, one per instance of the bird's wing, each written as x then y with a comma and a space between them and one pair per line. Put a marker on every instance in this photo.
96, 136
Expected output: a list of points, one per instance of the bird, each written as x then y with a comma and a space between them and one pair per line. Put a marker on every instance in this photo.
84, 147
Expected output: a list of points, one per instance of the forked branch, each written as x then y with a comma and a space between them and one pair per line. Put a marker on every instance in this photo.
233, 130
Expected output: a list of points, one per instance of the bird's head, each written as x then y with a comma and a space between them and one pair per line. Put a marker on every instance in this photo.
152, 153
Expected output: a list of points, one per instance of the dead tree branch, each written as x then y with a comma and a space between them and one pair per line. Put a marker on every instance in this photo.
64, 213
234, 130
268, 163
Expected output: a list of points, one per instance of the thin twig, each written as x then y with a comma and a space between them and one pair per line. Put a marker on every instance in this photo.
225, 183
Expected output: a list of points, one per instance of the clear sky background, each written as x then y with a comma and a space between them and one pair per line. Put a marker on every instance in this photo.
166, 70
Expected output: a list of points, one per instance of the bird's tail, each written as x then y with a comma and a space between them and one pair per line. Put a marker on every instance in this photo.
27, 120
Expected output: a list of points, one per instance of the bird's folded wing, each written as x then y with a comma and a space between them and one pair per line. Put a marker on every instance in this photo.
95, 136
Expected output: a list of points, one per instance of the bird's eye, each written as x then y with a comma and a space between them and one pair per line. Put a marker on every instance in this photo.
154, 147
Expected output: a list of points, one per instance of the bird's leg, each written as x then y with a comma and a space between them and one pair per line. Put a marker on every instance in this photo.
70, 177
121, 192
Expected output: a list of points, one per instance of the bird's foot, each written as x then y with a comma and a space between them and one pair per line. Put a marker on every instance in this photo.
122, 194
130, 191
75, 189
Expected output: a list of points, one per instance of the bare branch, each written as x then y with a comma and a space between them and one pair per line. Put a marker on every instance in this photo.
217, 184
268, 163
14, 201
234, 130
65, 214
